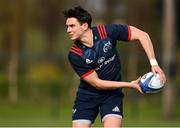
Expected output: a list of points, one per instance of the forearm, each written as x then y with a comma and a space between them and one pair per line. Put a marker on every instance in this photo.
94, 80
108, 85
147, 45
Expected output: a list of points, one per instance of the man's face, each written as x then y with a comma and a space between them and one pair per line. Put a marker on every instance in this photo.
74, 28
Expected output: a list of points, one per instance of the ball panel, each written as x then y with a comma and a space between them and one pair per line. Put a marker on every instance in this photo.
155, 82
151, 83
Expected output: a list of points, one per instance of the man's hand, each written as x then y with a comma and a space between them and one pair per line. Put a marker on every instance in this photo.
157, 70
135, 84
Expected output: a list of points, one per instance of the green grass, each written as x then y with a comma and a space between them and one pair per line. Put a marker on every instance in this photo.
46, 115
34, 115
148, 112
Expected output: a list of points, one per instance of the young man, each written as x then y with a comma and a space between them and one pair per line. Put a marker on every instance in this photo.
94, 58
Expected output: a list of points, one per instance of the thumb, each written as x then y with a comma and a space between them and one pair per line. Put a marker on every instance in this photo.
139, 79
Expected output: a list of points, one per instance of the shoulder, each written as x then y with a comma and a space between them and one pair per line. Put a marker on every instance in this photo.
75, 53
113, 27
105, 27
100, 31
118, 31
108, 29
76, 50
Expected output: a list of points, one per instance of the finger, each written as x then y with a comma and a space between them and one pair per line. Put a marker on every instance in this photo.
164, 78
140, 90
153, 70
139, 79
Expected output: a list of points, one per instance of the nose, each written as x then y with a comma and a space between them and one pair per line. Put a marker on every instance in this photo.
68, 29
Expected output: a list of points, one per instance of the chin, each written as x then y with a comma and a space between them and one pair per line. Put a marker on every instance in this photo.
73, 38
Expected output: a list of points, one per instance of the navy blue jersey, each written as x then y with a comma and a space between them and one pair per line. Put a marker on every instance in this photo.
102, 57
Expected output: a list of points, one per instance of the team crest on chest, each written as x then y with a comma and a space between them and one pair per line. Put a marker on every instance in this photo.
107, 46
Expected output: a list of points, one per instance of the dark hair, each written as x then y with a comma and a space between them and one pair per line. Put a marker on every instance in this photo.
80, 14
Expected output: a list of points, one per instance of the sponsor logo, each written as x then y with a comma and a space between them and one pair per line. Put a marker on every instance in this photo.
109, 60
88, 61
73, 111
100, 60
105, 62
116, 109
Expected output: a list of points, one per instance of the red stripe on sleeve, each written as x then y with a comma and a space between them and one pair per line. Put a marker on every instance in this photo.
99, 30
104, 31
74, 45
129, 33
76, 49
76, 52
87, 73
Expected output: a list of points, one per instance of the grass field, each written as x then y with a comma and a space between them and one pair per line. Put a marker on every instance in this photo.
31, 115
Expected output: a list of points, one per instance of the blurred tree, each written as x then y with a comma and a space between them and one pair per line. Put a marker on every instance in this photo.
13, 41
50, 21
169, 50
108, 14
114, 11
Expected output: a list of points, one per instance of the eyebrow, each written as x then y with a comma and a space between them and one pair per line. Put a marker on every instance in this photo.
70, 24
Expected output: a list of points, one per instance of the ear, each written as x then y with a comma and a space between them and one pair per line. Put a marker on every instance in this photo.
85, 26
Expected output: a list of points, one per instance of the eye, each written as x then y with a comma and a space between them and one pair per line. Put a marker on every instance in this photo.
72, 25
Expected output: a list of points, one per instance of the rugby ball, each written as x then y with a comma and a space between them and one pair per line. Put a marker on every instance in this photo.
151, 83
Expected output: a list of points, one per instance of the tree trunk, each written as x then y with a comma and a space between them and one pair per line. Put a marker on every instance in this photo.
13, 54
169, 40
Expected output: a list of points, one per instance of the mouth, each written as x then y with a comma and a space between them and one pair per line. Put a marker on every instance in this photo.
70, 35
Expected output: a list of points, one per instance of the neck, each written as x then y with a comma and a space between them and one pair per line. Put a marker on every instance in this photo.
87, 38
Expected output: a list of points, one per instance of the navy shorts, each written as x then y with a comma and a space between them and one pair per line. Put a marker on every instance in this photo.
87, 106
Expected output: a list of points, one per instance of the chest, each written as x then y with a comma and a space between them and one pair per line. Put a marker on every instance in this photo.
101, 52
